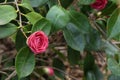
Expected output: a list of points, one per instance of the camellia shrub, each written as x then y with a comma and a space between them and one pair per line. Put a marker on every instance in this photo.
84, 28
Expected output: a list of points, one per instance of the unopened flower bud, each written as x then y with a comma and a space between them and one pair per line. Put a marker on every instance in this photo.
49, 71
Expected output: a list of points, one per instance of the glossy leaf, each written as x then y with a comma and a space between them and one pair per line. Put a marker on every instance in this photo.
24, 62
80, 21
7, 13
113, 66
20, 40
109, 8
57, 63
90, 76
98, 74
113, 77
43, 25
89, 63
116, 1
74, 38
93, 41
58, 17
113, 24
26, 4
7, 30
91, 69
37, 3
86, 2
73, 56
33, 17
111, 49
66, 3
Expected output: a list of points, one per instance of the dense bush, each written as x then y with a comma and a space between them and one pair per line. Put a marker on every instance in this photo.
83, 27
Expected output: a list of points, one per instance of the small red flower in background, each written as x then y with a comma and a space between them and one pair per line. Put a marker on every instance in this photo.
99, 4
38, 42
49, 71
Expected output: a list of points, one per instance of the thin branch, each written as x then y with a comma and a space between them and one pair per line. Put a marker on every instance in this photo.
37, 75
115, 45
1, 59
8, 69
17, 5
9, 58
11, 75
95, 25
20, 19
7, 3
101, 56
59, 3
2, 72
115, 42
99, 28
65, 73
22, 22
103, 33
38, 59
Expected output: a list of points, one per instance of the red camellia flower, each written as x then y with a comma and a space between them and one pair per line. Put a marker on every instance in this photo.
38, 42
99, 4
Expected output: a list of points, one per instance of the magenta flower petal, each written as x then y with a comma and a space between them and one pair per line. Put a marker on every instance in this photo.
38, 42
99, 4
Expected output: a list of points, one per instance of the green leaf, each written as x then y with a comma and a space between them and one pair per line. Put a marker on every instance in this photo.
73, 56
37, 3
58, 17
7, 30
114, 66
113, 77
20, 40
7, 13
43, 25
57, 63
89, 63
90, 76
113, 24
80, 21
86, 2
116, 1
111, 49
93, 41
26, 4
66, 3
98, 74
33, 17
109, 8
95, 74
90, 38
74, 38
24, 62
91, 70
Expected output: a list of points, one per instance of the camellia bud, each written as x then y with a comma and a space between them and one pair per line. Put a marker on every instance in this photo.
49, 71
